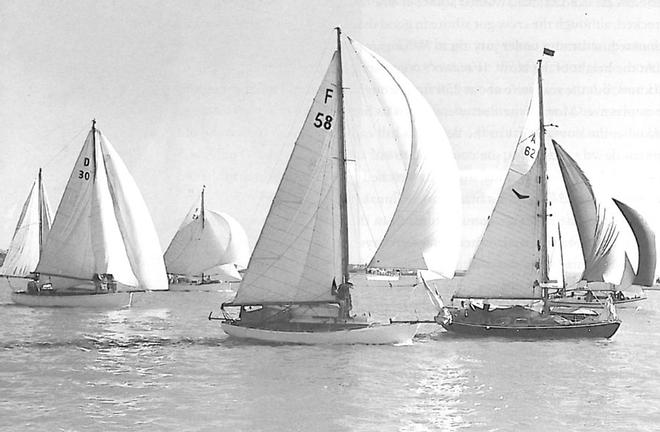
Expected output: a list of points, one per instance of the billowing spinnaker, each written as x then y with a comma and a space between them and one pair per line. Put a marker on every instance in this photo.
134, 221
204, 242
596, 224
645, 238
298, 252
424, 228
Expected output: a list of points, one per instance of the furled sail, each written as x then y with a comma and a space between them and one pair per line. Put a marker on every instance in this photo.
298, 253
205, 243
102, 224
31, 230
646, 248
420, 232
506, 263
596, 224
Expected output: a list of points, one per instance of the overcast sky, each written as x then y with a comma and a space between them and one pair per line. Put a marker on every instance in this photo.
215, 92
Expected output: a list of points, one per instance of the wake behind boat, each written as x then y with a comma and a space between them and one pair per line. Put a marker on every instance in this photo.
102, 243
411, 220
513, 260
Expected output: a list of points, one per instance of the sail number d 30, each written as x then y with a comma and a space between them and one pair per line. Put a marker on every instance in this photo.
323, 120
84, 174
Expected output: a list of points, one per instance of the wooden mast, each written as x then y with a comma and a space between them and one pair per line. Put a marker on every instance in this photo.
542, 181
341, 150
40, 209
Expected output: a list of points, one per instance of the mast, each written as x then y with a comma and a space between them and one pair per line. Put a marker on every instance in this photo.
543, 177
94, 146
561, 257
341, 150
40, 209
201, 212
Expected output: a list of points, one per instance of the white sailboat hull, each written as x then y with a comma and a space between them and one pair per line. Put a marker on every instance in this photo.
385, 334
101, 300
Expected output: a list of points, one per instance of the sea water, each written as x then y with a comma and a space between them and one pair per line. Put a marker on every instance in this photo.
161, 365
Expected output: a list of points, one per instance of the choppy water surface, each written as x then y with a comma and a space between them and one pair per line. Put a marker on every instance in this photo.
161, 365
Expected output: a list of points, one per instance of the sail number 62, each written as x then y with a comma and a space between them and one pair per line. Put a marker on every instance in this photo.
323, 120
530, 152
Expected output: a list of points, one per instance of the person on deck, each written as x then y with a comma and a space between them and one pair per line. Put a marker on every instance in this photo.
344, 297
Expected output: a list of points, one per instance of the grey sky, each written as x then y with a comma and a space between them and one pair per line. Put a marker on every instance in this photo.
214, 92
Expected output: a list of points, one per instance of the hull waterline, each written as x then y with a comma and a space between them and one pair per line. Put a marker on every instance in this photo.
375, 335
566, 302
104, 300
573, 331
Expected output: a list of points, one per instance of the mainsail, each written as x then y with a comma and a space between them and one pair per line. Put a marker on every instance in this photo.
102, 224
414, 219
506, 263
31, 231
207, 242
645, 238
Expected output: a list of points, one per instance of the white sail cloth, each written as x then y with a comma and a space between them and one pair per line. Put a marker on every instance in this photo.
412, 215
207, 242
102, 224
506, 263
24, 251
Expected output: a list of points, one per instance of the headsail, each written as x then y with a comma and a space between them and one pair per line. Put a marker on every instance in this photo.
421, 233
205, 242
32, 228
645, 239
506, 263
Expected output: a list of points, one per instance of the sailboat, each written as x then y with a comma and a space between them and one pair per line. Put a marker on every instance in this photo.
297, 286
31, 231
630, 291
211, 246
513, 262
102, 244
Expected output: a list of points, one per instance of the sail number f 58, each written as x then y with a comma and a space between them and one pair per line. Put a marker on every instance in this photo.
324, 120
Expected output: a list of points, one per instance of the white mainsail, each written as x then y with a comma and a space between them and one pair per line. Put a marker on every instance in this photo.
412, 215
102, 224
31, 230
207, 242
506, 263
